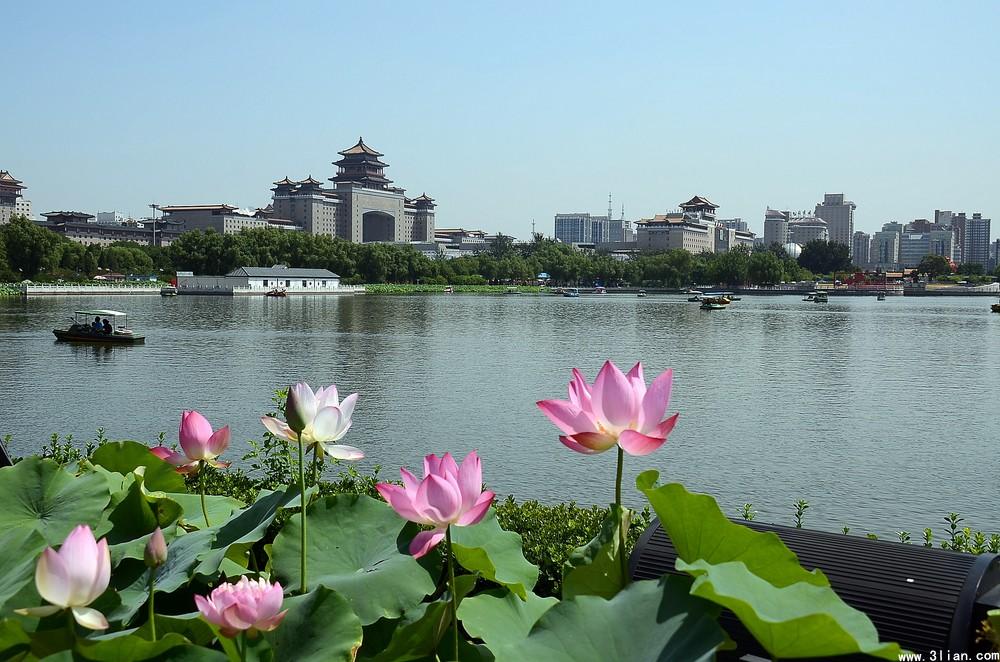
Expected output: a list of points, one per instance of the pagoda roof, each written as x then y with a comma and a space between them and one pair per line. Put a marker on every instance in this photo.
309, 180
360, 148
67, 214
8, 179
423, 197
285, 182
699, 201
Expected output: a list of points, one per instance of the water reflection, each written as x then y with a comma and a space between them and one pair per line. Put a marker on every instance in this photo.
878, 413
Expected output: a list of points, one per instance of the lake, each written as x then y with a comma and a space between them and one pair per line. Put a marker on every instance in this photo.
883, 415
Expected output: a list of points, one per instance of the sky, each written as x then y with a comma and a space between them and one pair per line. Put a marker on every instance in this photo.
509, 112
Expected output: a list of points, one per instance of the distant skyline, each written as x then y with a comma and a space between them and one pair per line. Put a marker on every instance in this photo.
513, 112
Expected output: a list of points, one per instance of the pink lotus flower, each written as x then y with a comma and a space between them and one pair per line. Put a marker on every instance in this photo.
617, 409
447, 495
74, 577
199, 443
320, 417
248, 605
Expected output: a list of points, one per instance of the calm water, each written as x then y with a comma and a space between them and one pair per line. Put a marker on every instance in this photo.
882, 415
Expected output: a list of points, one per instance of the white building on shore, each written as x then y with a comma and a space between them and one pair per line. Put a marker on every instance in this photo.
260, 280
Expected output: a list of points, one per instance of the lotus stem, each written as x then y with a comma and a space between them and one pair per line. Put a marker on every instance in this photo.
243, 648
302, 500
152, 613
201, 489
451, 587
621, 526
315, 464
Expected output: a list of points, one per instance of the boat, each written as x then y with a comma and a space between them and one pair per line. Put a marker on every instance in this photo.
995, 307
821, 297
168, 291
641, 293
696, 295
714, 303
512, 290
600, 290
82, 331
276, 292
810, 296
880, 296
449, 290
557, 291
571, 292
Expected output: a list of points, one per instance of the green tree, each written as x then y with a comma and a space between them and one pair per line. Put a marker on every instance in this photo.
732, 267
765, 268
971, 269
934, 265
30, 248
824, 257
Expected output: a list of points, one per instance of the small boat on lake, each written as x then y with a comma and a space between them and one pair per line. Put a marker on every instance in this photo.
600, 290
168, 291
714, 303
276, 292
811, 296
880, 296
995, 308
695, 295
571, 292
112, 333
641, 293
449, 290
821, 297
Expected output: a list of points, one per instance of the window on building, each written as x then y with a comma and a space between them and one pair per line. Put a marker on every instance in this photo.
288, 283
303, 283
265, 283
324, 283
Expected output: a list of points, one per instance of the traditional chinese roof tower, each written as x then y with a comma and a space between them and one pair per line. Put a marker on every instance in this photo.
309, 185
283, 186
10, 188
361, 165
701, 206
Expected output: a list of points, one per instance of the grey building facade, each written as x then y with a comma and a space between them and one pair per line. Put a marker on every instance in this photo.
839, 216
861, 248
10, 191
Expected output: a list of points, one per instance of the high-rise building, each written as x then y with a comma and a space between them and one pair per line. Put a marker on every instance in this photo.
776, 227
861, 248
735, 224
839, 216
976, 249
884, 253
915, 246
805, 228
574, 228
10, 191
109, 218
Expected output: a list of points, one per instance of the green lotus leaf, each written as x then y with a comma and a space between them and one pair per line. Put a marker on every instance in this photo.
799, 620
125, 456
792, 612
495, 554
596, 568
418, 633
498, 616
649, 621
39, 495
128, 646
319, 627
21, 548
358, 547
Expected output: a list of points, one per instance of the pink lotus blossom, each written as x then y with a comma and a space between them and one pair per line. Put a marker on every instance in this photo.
74, 577
199, 443
320, 417
448, 494
616, 409
250, 605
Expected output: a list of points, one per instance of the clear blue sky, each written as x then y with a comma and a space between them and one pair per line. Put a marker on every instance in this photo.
509, 111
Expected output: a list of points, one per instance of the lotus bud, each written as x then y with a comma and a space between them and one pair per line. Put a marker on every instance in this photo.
155, 554
295, 416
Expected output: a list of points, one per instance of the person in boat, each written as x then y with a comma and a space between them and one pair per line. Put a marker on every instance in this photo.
106, 327
96, 325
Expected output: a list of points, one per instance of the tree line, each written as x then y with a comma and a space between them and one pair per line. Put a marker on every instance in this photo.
30, 251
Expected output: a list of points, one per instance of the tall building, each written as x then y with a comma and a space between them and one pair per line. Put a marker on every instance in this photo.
776, 227
574, 228
915, 246
109, 218
694, 228
884, 252
735, 224
839, 216
10, 191
362, 206
976, 249
861, 248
